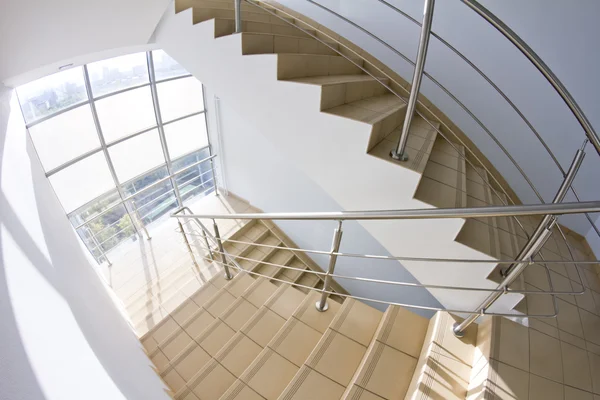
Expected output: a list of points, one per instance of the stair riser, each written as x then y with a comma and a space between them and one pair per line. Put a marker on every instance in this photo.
300, 66
224, 27
205, 14
345, 93
268, 44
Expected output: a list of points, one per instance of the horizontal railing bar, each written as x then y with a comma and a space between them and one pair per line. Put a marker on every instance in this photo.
429, 213
379, 257
324, 290
194, 164
414, 306
166, 178
541, 66
388, 282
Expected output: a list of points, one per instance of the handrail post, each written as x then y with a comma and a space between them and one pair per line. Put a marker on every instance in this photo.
207, 245
187, 243
98, 245
531, 248
228, 275
335, 247
139, 219
399, 153
238, 15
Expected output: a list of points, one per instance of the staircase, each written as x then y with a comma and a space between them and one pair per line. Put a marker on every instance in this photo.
261, 337
251, 339
340, 103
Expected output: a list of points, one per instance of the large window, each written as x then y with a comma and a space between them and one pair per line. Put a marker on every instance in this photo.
106, 134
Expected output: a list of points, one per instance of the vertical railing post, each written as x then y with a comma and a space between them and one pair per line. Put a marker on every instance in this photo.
187, 243
98, 245
531, 248
139, 219
335, 247
207, 244
238, 15
228, 275
399, 153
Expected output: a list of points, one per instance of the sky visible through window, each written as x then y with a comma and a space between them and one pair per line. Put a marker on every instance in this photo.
102, 147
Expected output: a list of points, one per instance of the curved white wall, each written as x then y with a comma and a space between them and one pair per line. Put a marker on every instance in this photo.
562, 32
61, 336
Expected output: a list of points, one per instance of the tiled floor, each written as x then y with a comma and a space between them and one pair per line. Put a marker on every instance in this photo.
150, 276
553, 358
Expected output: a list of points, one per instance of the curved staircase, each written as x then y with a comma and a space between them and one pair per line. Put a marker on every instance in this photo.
263, 339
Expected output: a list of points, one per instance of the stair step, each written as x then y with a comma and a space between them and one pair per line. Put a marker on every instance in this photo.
201, 14
391, 357
336, 356
181, 5
419, 145
226, 26
337, 90
444, 181
267, 43
445, 361
293, 66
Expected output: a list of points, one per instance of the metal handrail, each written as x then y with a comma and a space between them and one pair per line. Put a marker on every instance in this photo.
229, 261
424, 213
461, 104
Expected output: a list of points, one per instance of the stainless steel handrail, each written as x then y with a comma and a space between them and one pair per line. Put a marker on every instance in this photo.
426, 213
462, 105
541, 66
230, 261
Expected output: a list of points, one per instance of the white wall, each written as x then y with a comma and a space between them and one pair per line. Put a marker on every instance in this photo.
37, 36
562, 32
257, 171
62, 337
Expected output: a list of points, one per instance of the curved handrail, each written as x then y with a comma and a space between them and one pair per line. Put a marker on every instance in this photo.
462, 105
541, 66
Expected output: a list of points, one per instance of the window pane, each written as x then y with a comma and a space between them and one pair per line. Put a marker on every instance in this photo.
82, 181
139, 183
197, 180
51, 94
137, 155
186, 135
126, 113
156, 202
179, 97
95, 207
183, 162
118, 73
64, 137
107, 231
165, 67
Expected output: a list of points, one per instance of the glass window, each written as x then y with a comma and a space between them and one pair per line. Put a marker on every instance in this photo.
165, 67
94, 207
126, 113
107, 230
179, 98
190, 159
118, 73
65, 137
195, 181
52, 93
137, 155
83, 181
186, 135
141, 182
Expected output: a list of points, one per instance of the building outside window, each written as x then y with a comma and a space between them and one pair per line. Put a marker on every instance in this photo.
119, 140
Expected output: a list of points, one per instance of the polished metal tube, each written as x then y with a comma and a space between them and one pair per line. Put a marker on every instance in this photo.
139, 220
207, 244
228, 275
335, 247
424, 213
187, 244
532, 247
541, 66
238, 15
399, 152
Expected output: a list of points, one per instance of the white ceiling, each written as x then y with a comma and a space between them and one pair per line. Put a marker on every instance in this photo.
38, 36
